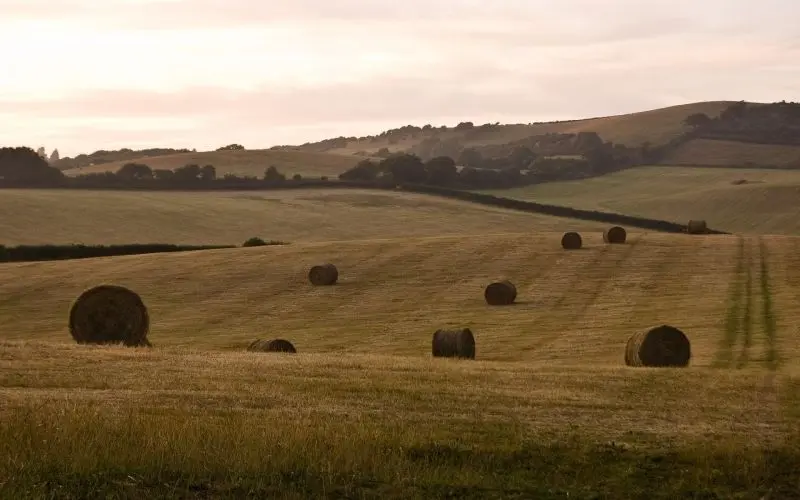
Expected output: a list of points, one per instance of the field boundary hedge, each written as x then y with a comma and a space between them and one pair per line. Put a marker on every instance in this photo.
36, 253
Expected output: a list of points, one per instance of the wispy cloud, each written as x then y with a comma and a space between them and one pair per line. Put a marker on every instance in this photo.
279, 72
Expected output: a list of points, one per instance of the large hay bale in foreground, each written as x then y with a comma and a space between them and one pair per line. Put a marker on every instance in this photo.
616, 235
571, 241
454, 344
274, 345
697, 227
323, 275
501, 293
662, 346
109, 314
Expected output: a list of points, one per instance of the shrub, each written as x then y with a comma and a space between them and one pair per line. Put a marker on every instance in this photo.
254, 242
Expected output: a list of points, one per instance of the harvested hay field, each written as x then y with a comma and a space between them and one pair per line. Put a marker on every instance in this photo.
399, 291
765, 203
242, 163
167, 422
549, 379
229, 218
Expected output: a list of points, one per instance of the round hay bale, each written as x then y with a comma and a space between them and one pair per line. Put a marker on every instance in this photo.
454, 344
323, 275
662, 346
697, 227
109, 314
571, 241
501, 293
616, 235
274, 345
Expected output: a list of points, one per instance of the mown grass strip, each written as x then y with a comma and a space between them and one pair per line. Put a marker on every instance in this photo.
747, 315
768, 314
724, 355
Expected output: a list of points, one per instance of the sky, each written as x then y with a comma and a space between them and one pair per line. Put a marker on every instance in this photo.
83, 75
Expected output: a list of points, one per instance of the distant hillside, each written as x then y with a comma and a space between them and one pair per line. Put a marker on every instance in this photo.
243, 162
657, 127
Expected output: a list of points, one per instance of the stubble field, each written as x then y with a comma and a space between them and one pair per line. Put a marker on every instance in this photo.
548, 408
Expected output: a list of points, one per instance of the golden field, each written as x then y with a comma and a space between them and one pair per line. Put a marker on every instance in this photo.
51, 216
364, 411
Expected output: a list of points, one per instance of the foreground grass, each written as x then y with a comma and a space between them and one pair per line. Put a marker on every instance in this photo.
89, 422
765, 204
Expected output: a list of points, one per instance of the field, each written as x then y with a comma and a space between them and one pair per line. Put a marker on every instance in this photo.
242, 163
230, 217
720, 153
547, 410
765, 204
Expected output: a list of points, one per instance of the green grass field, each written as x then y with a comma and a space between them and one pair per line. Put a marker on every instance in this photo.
765, 204
547, 409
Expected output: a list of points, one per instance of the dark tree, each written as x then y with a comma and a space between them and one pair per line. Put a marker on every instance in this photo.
187, 173
24, 165
231, 147
134, 171
442, 171
365, 170
405, 167
272, 175
208, 173
470, 157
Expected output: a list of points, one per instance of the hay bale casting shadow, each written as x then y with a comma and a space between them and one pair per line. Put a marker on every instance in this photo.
274, 345
571, 241
454, 344
501, 293
697, 227
662, 346
323, 275
616, 235
109, 314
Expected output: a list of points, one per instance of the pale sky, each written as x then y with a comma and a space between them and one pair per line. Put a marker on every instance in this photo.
82, 75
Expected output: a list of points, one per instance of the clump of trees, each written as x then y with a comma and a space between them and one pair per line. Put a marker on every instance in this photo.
22, 166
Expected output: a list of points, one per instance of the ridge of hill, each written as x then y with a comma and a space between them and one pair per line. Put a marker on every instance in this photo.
657, 126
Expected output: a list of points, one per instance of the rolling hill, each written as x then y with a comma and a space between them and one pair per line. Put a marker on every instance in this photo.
242, 163
753, 201
657, 126
51, 216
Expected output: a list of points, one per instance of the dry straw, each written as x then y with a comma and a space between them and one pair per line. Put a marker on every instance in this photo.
697, 227
501, 293
458, 343
615, 234
275, 345
662, 346
571, 241
323, 275
109, 314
